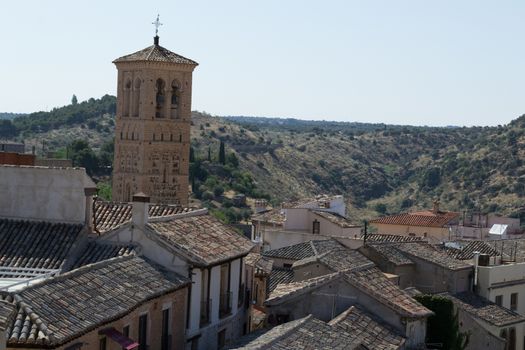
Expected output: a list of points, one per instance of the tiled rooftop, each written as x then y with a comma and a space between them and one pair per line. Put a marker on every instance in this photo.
271, 216
391, 254
374, 283
279, 275
303, 250
337, 219
260, 263
155, 53
342, 259
367, 330
202, 238
386, 238
96, 251
62, 308
110, 215
30, 244
430, 253
7, 314
357, 269
285, 291
464, 250
485, 310
305, 333
427, 218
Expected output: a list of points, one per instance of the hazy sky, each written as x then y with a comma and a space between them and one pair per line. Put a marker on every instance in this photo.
416, 62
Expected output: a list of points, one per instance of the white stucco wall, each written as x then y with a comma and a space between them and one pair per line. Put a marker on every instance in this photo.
195, 301
42, 193
503, 280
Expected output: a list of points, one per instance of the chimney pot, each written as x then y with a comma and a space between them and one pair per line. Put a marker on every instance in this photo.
140, 209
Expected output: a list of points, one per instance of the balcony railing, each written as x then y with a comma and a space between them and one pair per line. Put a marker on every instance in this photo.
225, 304
205, 312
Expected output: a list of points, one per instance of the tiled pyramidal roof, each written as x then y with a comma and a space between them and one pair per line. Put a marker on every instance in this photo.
427, 218
62, 308
155, 53
31, 244
110, 215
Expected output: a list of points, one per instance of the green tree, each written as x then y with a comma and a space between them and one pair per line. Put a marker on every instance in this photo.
209, 154
232, 160
74, 100
104, 190
443, 326
83, 156
222, 154
380, 208
7, 129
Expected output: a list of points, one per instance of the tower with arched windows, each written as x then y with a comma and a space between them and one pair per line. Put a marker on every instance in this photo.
152, 128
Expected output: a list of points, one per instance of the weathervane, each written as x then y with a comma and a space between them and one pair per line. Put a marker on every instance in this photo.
157, 25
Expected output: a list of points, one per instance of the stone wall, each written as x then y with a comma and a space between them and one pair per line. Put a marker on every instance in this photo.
40, 193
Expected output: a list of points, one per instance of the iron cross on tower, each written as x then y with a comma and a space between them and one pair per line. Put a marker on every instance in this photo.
157, 25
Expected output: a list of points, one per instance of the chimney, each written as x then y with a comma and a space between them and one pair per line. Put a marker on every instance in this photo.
435, 207
89, 193
476, 264
139, 214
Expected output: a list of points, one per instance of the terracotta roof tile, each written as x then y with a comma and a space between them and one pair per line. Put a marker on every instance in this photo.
386, 238
7, 314
279, 275
368, 330
271, 216
62, 308
373, 282
202, 238
426, 218
464, 250
110, 215
430, 253
96, 251
337, 219
31, 244
302, 334
285, 291
155, 53
303, 250
391, 254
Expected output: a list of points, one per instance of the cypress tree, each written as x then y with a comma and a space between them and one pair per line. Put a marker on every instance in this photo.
222, 154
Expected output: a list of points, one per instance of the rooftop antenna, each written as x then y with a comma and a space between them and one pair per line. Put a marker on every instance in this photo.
157, 24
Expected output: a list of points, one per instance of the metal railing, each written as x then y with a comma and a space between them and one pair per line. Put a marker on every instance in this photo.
23, 277
205, 312
225, 304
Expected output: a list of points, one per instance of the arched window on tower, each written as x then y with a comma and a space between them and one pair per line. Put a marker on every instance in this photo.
127, 98
175, 99
160, 98
136, 98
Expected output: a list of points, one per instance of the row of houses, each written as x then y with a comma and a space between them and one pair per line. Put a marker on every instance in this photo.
307, 278
79, 273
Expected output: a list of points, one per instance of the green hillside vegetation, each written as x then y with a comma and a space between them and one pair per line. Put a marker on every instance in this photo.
380, 168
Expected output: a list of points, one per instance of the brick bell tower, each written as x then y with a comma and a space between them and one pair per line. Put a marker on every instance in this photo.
152, 128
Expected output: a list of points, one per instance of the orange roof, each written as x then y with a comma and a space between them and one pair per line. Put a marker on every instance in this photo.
427, 218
